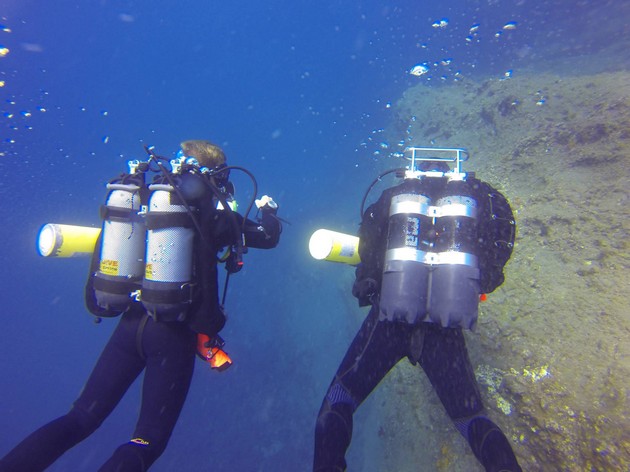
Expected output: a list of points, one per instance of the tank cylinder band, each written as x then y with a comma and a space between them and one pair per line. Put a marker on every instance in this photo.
164, 187
430, 258
161, 220
409, 203
406, 254
127, 187
119, 214
419, 205
114, 286
169, 297
453, 209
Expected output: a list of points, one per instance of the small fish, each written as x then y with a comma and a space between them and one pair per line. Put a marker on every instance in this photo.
510, 26
507, 75
3, 50
474, 28
443, 23
419, 70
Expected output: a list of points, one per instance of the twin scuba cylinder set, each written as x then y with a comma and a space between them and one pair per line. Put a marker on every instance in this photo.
147, 243
431, 270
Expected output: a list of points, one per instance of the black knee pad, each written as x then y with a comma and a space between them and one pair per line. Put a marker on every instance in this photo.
336, 417
337, 409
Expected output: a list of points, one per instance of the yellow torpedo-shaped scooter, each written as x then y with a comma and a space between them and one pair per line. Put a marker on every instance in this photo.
333, 246
56, 240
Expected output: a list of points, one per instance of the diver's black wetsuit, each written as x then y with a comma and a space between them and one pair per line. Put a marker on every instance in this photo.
441, 352
165, 350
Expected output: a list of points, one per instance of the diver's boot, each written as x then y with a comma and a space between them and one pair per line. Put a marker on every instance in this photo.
333, 433
491, 447
126, 458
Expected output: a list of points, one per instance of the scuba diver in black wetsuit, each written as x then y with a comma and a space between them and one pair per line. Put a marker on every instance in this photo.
429, 248
169, 299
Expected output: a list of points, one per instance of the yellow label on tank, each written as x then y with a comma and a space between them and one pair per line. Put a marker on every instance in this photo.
109, 267
148, 271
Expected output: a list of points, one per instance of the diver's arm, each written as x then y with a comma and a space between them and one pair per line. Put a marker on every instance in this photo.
372, 241
265, 232
262, 234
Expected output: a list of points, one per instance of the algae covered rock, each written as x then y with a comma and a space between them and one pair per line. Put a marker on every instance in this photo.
551, 351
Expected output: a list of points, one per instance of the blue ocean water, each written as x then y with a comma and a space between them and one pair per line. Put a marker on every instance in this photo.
297, 92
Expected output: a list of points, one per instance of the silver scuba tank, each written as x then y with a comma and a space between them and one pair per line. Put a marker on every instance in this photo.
455, 290
121, 261
166, 287
403, 295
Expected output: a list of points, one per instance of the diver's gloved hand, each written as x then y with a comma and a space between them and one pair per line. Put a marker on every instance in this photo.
266, 203
210, 349
365, 290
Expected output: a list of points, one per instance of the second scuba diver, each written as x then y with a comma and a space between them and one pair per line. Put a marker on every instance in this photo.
429, 247
156, 265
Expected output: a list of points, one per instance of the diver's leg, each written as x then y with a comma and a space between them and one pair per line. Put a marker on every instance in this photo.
445, 360
490, 445
170, 352
377, 347
115, 369
44, 446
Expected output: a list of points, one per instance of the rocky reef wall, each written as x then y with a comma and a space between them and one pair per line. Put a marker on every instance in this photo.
552, 348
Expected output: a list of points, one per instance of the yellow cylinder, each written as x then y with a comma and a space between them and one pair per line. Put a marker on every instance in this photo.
56, 240
333, 246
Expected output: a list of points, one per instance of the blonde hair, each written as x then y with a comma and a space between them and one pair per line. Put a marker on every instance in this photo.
208, 154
